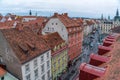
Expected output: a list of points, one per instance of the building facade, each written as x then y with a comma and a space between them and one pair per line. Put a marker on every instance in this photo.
25, 54
59, 56
107, 24
69, 30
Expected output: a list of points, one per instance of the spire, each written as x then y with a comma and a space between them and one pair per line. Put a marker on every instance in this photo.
117, 13
102, 17
108, 17
30, 13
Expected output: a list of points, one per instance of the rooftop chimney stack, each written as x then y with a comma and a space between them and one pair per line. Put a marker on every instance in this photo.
55, 14
65, 14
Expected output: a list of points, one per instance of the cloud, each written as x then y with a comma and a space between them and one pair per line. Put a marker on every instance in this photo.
95, 7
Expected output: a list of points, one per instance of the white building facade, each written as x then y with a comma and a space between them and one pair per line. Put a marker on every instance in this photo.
38, 68
55, 25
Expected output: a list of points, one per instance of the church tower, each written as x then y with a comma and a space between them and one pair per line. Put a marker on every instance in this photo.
117, 17
117, 13
102, 17
30, 13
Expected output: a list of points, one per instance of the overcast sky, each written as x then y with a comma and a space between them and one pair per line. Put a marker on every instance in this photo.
82, 8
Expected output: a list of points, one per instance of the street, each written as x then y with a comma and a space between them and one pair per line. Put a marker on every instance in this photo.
90, 45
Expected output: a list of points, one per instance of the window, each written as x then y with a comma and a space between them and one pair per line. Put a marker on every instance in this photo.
54, 65
48, 28
27, 68
7, 51
48, 55
62, 29
42, 58
63, 58
48, 74
48, 64
42, 69
36, 73
59, 61
43, 77
52, 29
56, 23
52, 23
28, 77
35, 63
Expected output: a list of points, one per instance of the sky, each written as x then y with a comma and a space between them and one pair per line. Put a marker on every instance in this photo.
75, 8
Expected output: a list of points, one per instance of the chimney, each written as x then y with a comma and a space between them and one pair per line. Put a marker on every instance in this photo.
66, 14
97, 60
90, 72
103, 50
55, 14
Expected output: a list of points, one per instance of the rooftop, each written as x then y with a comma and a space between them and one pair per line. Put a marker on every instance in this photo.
25, 43
2, 72
53, 39
113, 69
67, 21
112, 65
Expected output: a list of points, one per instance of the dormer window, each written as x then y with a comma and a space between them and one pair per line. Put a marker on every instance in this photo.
23, 48
32, 47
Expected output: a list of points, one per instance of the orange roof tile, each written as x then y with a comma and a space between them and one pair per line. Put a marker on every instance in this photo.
68, 22
21, 40
99, 57
97, 71
53, 39
113, 69
2, 72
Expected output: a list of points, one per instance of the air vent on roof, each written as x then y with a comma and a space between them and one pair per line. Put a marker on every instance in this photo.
23, 48
32, 47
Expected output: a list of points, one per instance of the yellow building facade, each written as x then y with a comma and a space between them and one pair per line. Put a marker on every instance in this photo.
59, 61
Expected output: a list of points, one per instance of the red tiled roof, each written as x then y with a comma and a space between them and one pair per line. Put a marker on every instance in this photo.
90, 72
99, 57
113, 65
89, 22
97, 60
21, 40
103, 49
35, 25
107, 43
92, 69
116, 29
2, 72
28, 16
53, 39
112, 40
79, 21
0, 17
68, 22
113, 69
